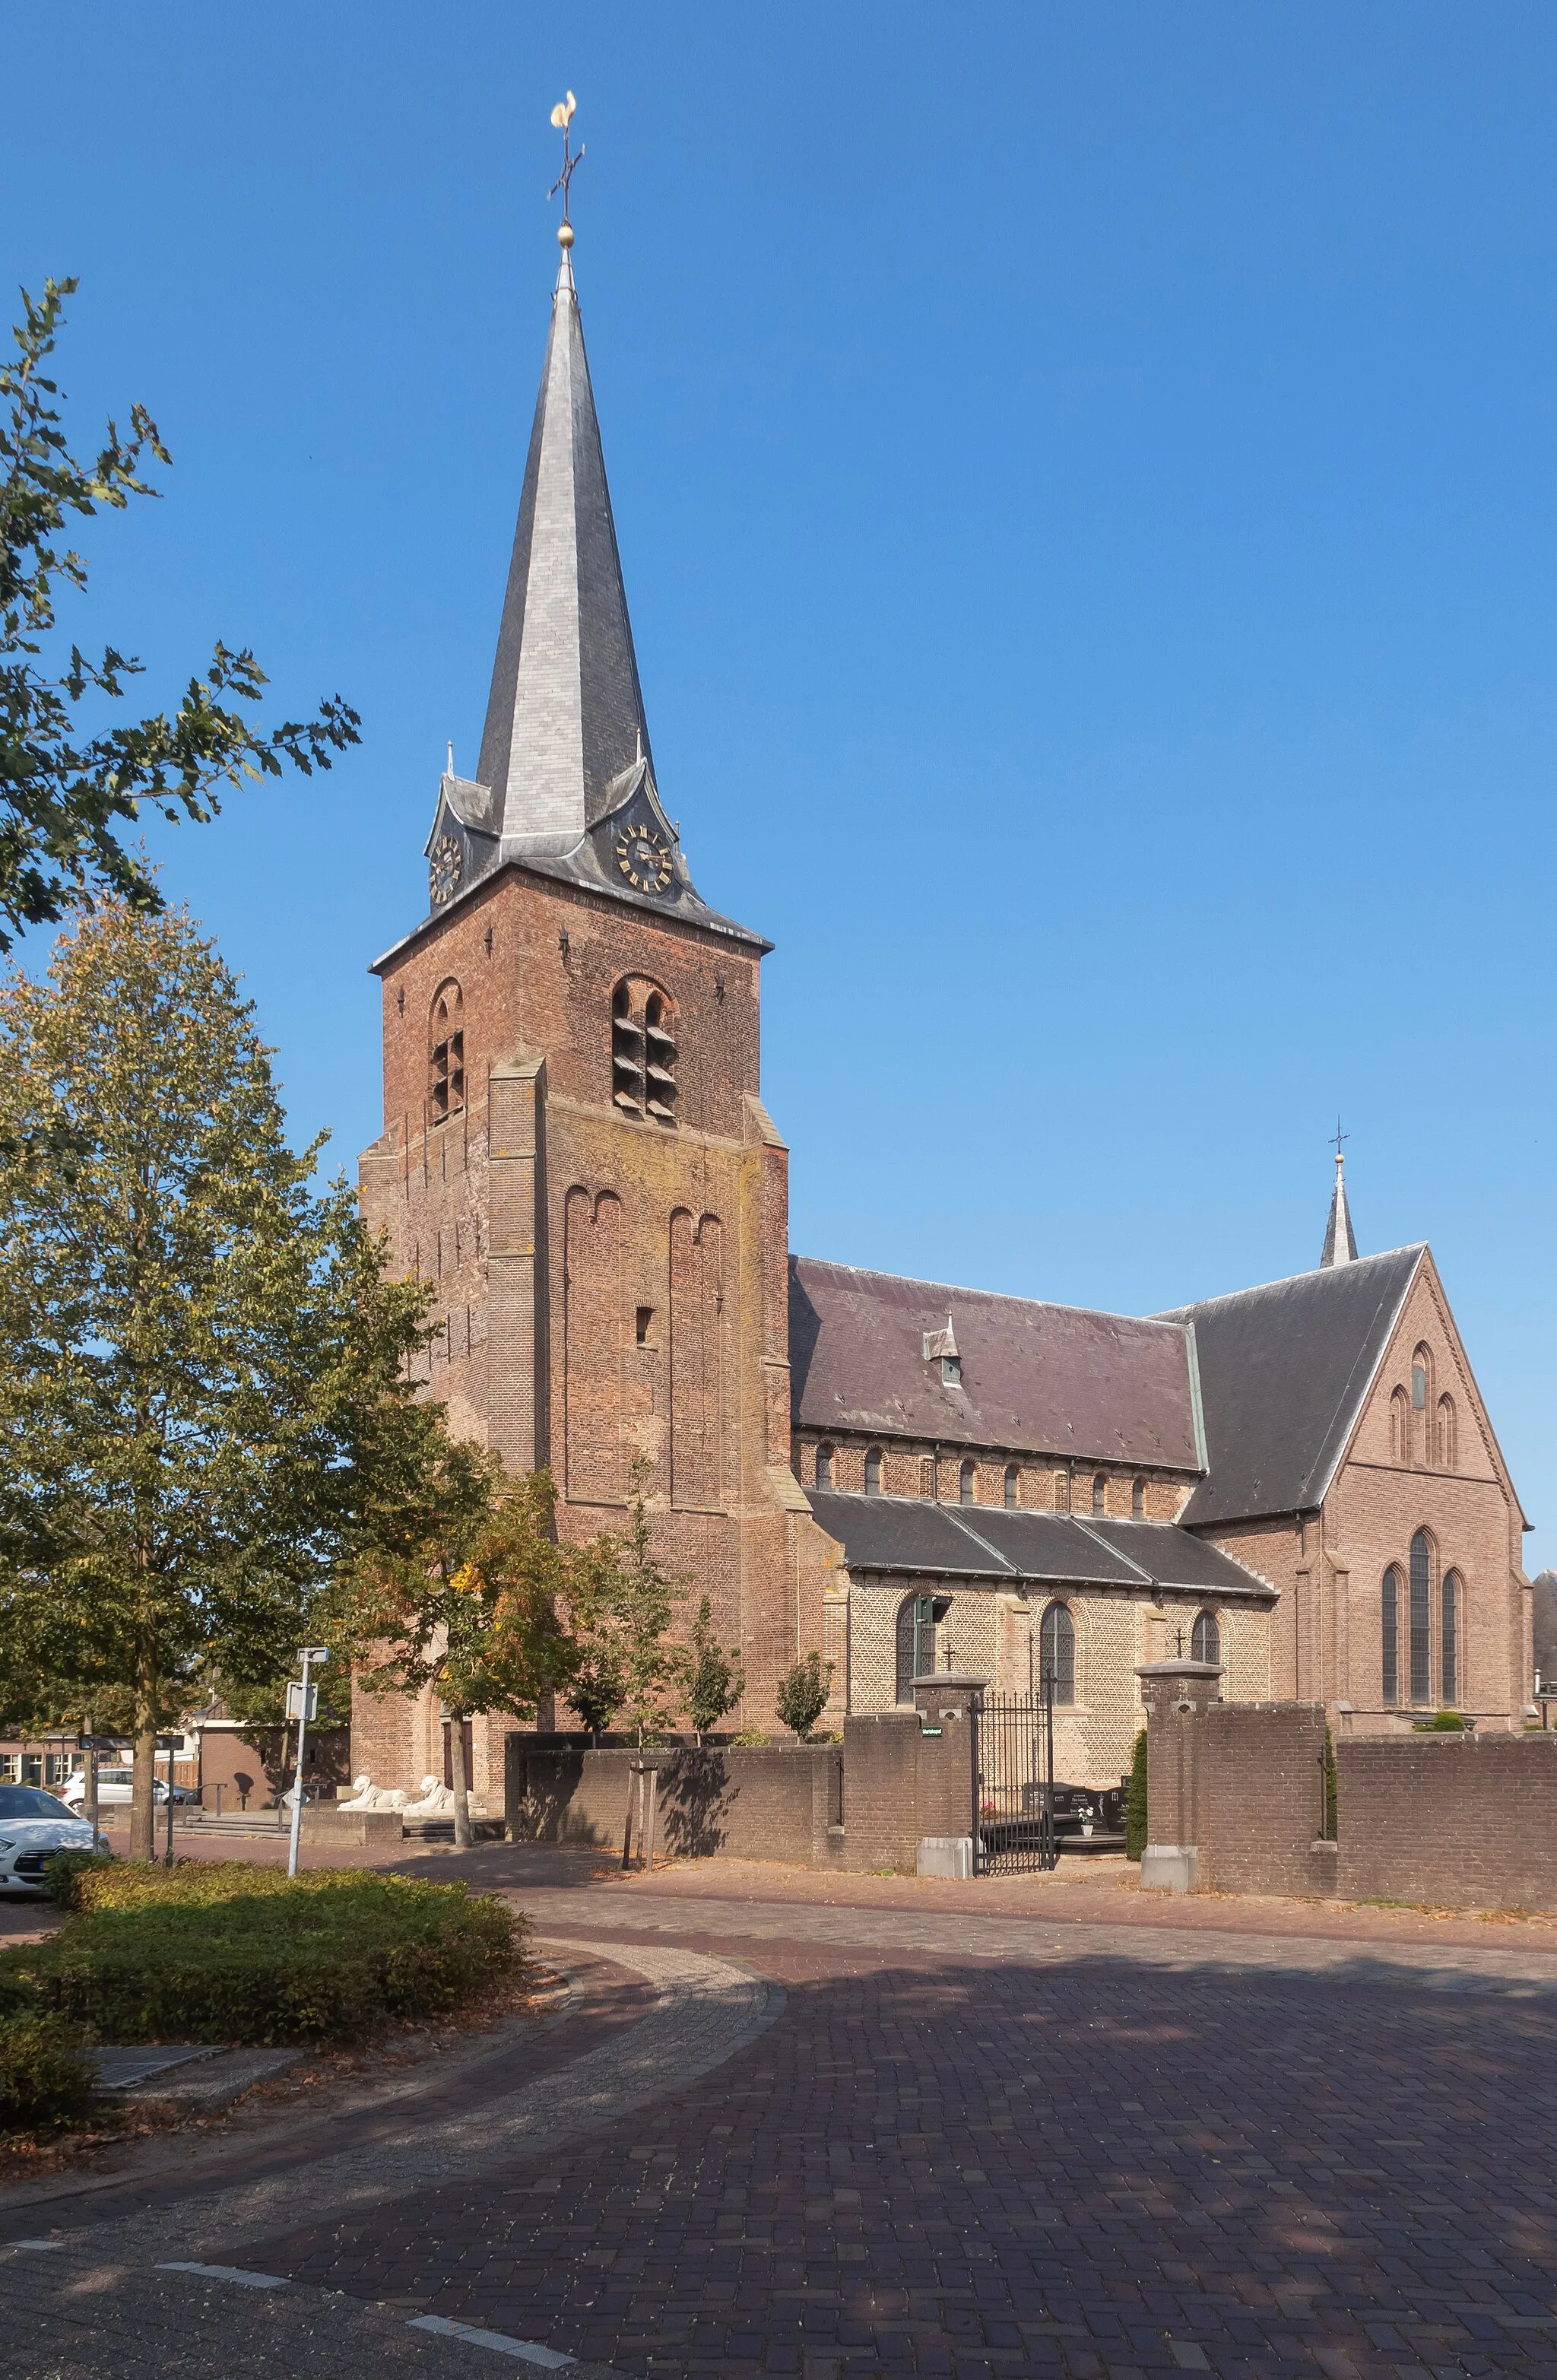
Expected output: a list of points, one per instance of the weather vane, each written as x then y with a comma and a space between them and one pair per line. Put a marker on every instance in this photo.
563, 116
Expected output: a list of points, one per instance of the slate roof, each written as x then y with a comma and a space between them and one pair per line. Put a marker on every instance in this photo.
566, 766
1283, 1371
906, 1537
1053, 1379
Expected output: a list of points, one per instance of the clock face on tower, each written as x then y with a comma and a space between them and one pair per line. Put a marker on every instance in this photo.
644, 858
445, 868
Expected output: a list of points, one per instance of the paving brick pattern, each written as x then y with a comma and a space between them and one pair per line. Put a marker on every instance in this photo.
1097, 2167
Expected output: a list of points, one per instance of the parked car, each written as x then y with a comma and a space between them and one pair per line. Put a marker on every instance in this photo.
33, 1826
118, 1785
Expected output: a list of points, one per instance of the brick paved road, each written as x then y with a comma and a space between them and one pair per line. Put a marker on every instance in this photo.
1090, 2166
1004, 2144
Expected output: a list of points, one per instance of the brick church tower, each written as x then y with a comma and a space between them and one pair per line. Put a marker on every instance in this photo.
576, 1152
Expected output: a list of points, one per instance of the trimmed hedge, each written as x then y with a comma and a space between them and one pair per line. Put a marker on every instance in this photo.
46, 2077
217, 1951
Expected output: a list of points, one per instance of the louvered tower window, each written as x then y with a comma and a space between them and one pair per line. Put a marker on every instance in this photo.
643, 1052
446, 1054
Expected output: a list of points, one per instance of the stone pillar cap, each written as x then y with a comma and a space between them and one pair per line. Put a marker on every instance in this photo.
1179, 1668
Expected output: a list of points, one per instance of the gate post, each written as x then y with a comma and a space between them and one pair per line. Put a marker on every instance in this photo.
948, 1703
1177, 1695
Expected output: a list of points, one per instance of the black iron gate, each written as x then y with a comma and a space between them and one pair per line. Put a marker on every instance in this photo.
1014, 1783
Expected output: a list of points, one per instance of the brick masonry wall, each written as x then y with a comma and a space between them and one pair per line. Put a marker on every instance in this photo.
881, 1792
739, 1802
1243, 1785
1264, 1798
1459, 1821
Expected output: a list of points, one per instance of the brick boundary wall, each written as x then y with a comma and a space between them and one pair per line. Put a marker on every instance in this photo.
1462, 1821
778, 1801
1263, 1800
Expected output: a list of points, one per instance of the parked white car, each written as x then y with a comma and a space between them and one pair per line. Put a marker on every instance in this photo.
33, 1826
118, 1785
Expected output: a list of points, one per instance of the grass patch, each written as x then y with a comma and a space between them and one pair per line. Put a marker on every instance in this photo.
218, 1950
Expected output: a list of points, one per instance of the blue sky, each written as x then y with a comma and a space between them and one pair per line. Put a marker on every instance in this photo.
1086, 480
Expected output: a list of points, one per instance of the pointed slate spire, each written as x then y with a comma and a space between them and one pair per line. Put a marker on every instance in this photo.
566, 716
1340, 1246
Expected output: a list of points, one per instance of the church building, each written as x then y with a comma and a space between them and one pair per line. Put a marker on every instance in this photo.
1300, 1481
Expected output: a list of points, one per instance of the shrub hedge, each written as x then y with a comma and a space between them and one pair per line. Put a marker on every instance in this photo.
46, 2077
217, 1951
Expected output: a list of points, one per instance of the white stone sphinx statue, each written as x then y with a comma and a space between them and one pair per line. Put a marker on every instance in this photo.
437, 1802
365, 1795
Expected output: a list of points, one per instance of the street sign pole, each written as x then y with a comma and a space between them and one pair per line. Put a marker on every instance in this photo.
311, 1654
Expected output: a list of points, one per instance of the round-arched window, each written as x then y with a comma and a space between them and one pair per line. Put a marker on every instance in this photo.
873, 1472
1056, 1652
1205, 1637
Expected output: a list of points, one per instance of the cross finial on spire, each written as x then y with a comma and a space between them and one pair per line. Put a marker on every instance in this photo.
562, 117
1340, 1243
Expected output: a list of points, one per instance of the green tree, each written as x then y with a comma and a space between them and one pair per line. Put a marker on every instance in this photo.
623, 1605
802, 1695
1135, 1800
716, 1681
203, 1402
65, 793
469, 1607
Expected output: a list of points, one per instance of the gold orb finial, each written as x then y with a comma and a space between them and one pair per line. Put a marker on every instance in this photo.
564, 235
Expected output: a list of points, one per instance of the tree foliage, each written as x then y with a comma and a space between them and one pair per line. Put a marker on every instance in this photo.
65, 793
203, 1402
716, 1680
468, 1604
622, 1606
802, 1695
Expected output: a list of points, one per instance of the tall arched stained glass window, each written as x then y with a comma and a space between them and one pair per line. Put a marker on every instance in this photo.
1057, 1651
1449, 1672
1421, 1618
1390, 1633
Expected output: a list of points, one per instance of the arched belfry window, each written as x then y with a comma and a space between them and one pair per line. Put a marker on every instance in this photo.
643, 1051
446, 1053
1205, 1637
1421, 1618
1389, 1630
1056, 1652
968, 1484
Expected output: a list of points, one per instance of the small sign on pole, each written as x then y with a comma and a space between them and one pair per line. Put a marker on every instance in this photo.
302, 1710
